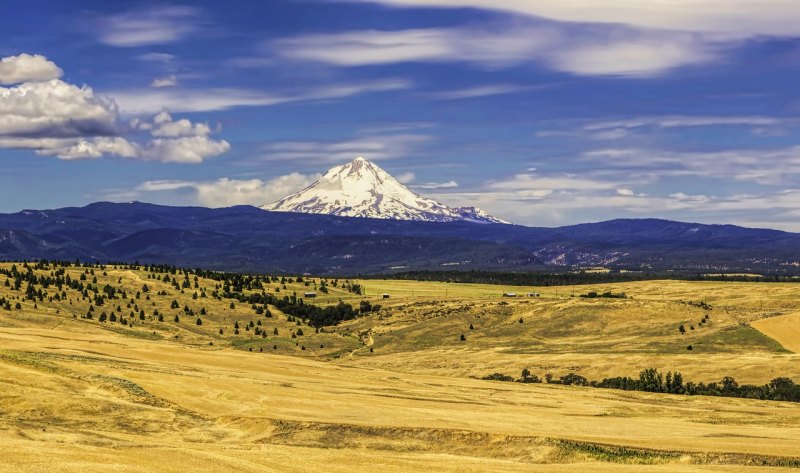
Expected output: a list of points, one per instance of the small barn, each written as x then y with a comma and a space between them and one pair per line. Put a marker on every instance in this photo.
534, 294
509, 294
385, 295
309, 295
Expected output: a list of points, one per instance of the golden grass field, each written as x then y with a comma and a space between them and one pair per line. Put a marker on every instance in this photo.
83, 396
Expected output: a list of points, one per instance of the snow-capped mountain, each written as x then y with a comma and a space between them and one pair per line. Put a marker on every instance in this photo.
362, 189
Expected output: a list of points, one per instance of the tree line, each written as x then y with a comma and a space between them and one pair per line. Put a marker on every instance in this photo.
651, 380
567, 277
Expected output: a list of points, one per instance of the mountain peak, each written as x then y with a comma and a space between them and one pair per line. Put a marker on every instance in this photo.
360, 188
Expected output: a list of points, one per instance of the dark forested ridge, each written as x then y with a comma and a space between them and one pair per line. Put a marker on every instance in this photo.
249, 239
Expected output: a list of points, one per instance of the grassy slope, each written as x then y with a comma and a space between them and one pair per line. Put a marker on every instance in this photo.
226, 409
113, 389
784, 328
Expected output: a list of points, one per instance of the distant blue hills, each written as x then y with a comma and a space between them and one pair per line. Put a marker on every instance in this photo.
249, 239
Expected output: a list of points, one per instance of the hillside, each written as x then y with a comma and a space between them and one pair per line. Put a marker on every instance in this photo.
390, 388
253, 240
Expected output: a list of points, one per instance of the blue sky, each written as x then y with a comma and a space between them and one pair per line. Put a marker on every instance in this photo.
543, 113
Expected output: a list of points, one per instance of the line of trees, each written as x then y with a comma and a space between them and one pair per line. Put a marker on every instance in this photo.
651, 380
567, 277
314, 315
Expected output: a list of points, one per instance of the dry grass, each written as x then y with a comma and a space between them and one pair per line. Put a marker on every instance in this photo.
784, 328
77, 395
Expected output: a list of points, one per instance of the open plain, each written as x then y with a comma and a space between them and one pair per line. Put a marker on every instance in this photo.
394, 389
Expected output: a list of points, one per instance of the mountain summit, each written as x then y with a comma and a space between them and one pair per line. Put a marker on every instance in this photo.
362, 189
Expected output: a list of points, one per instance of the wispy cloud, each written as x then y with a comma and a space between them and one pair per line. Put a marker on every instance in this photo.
436, 185
732, 18
373, 147
168, 81
557, 199
225, 192
616, 51
682, 121
180, 99
772, 167
480, 91
147, 26
157, 57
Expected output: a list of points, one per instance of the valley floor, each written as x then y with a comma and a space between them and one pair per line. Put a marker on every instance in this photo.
78, 399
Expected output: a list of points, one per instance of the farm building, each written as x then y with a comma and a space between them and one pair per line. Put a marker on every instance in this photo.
534, 294
309, 294
509, 294
385, 295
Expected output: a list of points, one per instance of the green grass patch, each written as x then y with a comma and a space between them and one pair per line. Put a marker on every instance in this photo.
735, 339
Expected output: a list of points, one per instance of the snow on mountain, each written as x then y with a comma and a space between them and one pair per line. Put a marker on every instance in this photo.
474, 214
362, 189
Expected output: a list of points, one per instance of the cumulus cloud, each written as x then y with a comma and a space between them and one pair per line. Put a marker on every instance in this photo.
226, 192
189, 150
27, 68
147, 26
93, 148
165, 126
55, 118
54, 109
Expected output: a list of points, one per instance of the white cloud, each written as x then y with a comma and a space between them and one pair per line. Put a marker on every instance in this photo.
93, 148
523, 184
54, 109
480, 91
55, 118
681, 121
202, 100
372, 47
405, 178
157, 57
226, 192
762, 166
748, 18
374, 147
165, 126
155, 25
637, 56
437, 185
617, 50
187, 150
558, 200
27, 68
168, 81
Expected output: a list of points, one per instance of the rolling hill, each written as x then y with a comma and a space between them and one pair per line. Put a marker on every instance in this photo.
245, 238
